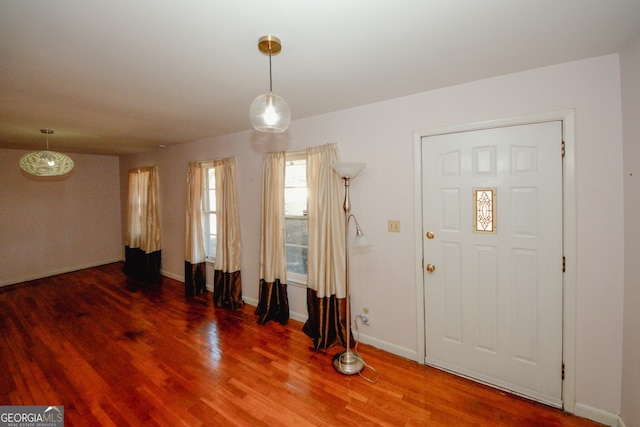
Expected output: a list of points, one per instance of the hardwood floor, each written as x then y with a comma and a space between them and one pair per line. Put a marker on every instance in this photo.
114, 352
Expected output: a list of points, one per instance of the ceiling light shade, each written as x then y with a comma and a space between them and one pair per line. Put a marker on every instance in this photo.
348, 169
46, 163
270, 112
361, 240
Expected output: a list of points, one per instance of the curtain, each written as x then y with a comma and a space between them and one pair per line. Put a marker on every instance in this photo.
273, 302
195, 272
326, 293
142, 250
227, 281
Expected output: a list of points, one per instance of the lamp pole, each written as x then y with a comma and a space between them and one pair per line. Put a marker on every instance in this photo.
347, 362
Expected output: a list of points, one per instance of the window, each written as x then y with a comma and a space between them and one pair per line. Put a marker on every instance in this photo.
209, 211
295, 213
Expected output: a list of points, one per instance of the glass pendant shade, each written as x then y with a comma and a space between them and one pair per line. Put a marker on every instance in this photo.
270, 113
46, 163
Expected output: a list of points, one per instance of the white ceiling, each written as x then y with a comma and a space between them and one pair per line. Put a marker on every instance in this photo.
122, 76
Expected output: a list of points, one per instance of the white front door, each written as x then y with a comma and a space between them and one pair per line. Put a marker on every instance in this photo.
493, 278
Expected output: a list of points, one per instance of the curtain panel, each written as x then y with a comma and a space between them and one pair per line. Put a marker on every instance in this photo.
326, 285
143, 237
195, 272
227, 281
273, 301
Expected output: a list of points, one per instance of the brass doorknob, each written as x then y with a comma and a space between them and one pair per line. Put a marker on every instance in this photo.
430, 235
431, 268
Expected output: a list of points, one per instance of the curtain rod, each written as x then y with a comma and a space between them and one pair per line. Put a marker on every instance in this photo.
210, 162
147, 168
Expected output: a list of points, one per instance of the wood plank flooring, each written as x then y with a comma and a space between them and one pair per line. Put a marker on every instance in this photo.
114, 352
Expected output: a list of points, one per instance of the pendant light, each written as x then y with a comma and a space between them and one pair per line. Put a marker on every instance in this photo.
46, 163
269, 112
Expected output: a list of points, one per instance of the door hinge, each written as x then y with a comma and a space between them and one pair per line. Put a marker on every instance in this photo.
564, 264
563, 370
563, 149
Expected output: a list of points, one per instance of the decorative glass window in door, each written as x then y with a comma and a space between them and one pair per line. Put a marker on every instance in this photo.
485, 210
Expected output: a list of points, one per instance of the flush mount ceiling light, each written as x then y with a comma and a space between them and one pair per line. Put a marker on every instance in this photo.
46, 163
269, 112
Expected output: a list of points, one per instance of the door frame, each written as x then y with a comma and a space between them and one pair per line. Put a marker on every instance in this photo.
567, 117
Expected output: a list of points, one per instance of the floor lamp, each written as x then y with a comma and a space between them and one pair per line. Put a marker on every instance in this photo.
349, 362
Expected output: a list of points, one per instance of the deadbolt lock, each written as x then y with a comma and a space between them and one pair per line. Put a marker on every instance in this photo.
430, 235
431, 268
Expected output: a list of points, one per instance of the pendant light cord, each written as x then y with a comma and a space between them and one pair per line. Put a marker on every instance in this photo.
47, 132
270, 78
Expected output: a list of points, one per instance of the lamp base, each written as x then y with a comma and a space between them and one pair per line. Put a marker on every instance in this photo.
348, 362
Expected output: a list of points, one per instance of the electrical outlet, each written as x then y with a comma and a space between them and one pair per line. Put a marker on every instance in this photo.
393, 226
366, 316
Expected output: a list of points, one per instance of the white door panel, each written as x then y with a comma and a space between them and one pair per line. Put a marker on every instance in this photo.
493, 305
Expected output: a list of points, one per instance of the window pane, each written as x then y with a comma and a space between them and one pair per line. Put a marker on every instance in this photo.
295, 201
211, 177
296, 231
212, 224
297, 259
295, 174
212, 200
210, 245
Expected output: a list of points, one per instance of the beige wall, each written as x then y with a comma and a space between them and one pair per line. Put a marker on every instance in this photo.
381, 135
630, 72
58, 225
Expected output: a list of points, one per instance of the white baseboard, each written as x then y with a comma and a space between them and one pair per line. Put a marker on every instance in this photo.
300, 317
172, 276
598, 415
365, 339
407, 353
250, 301
56, 272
